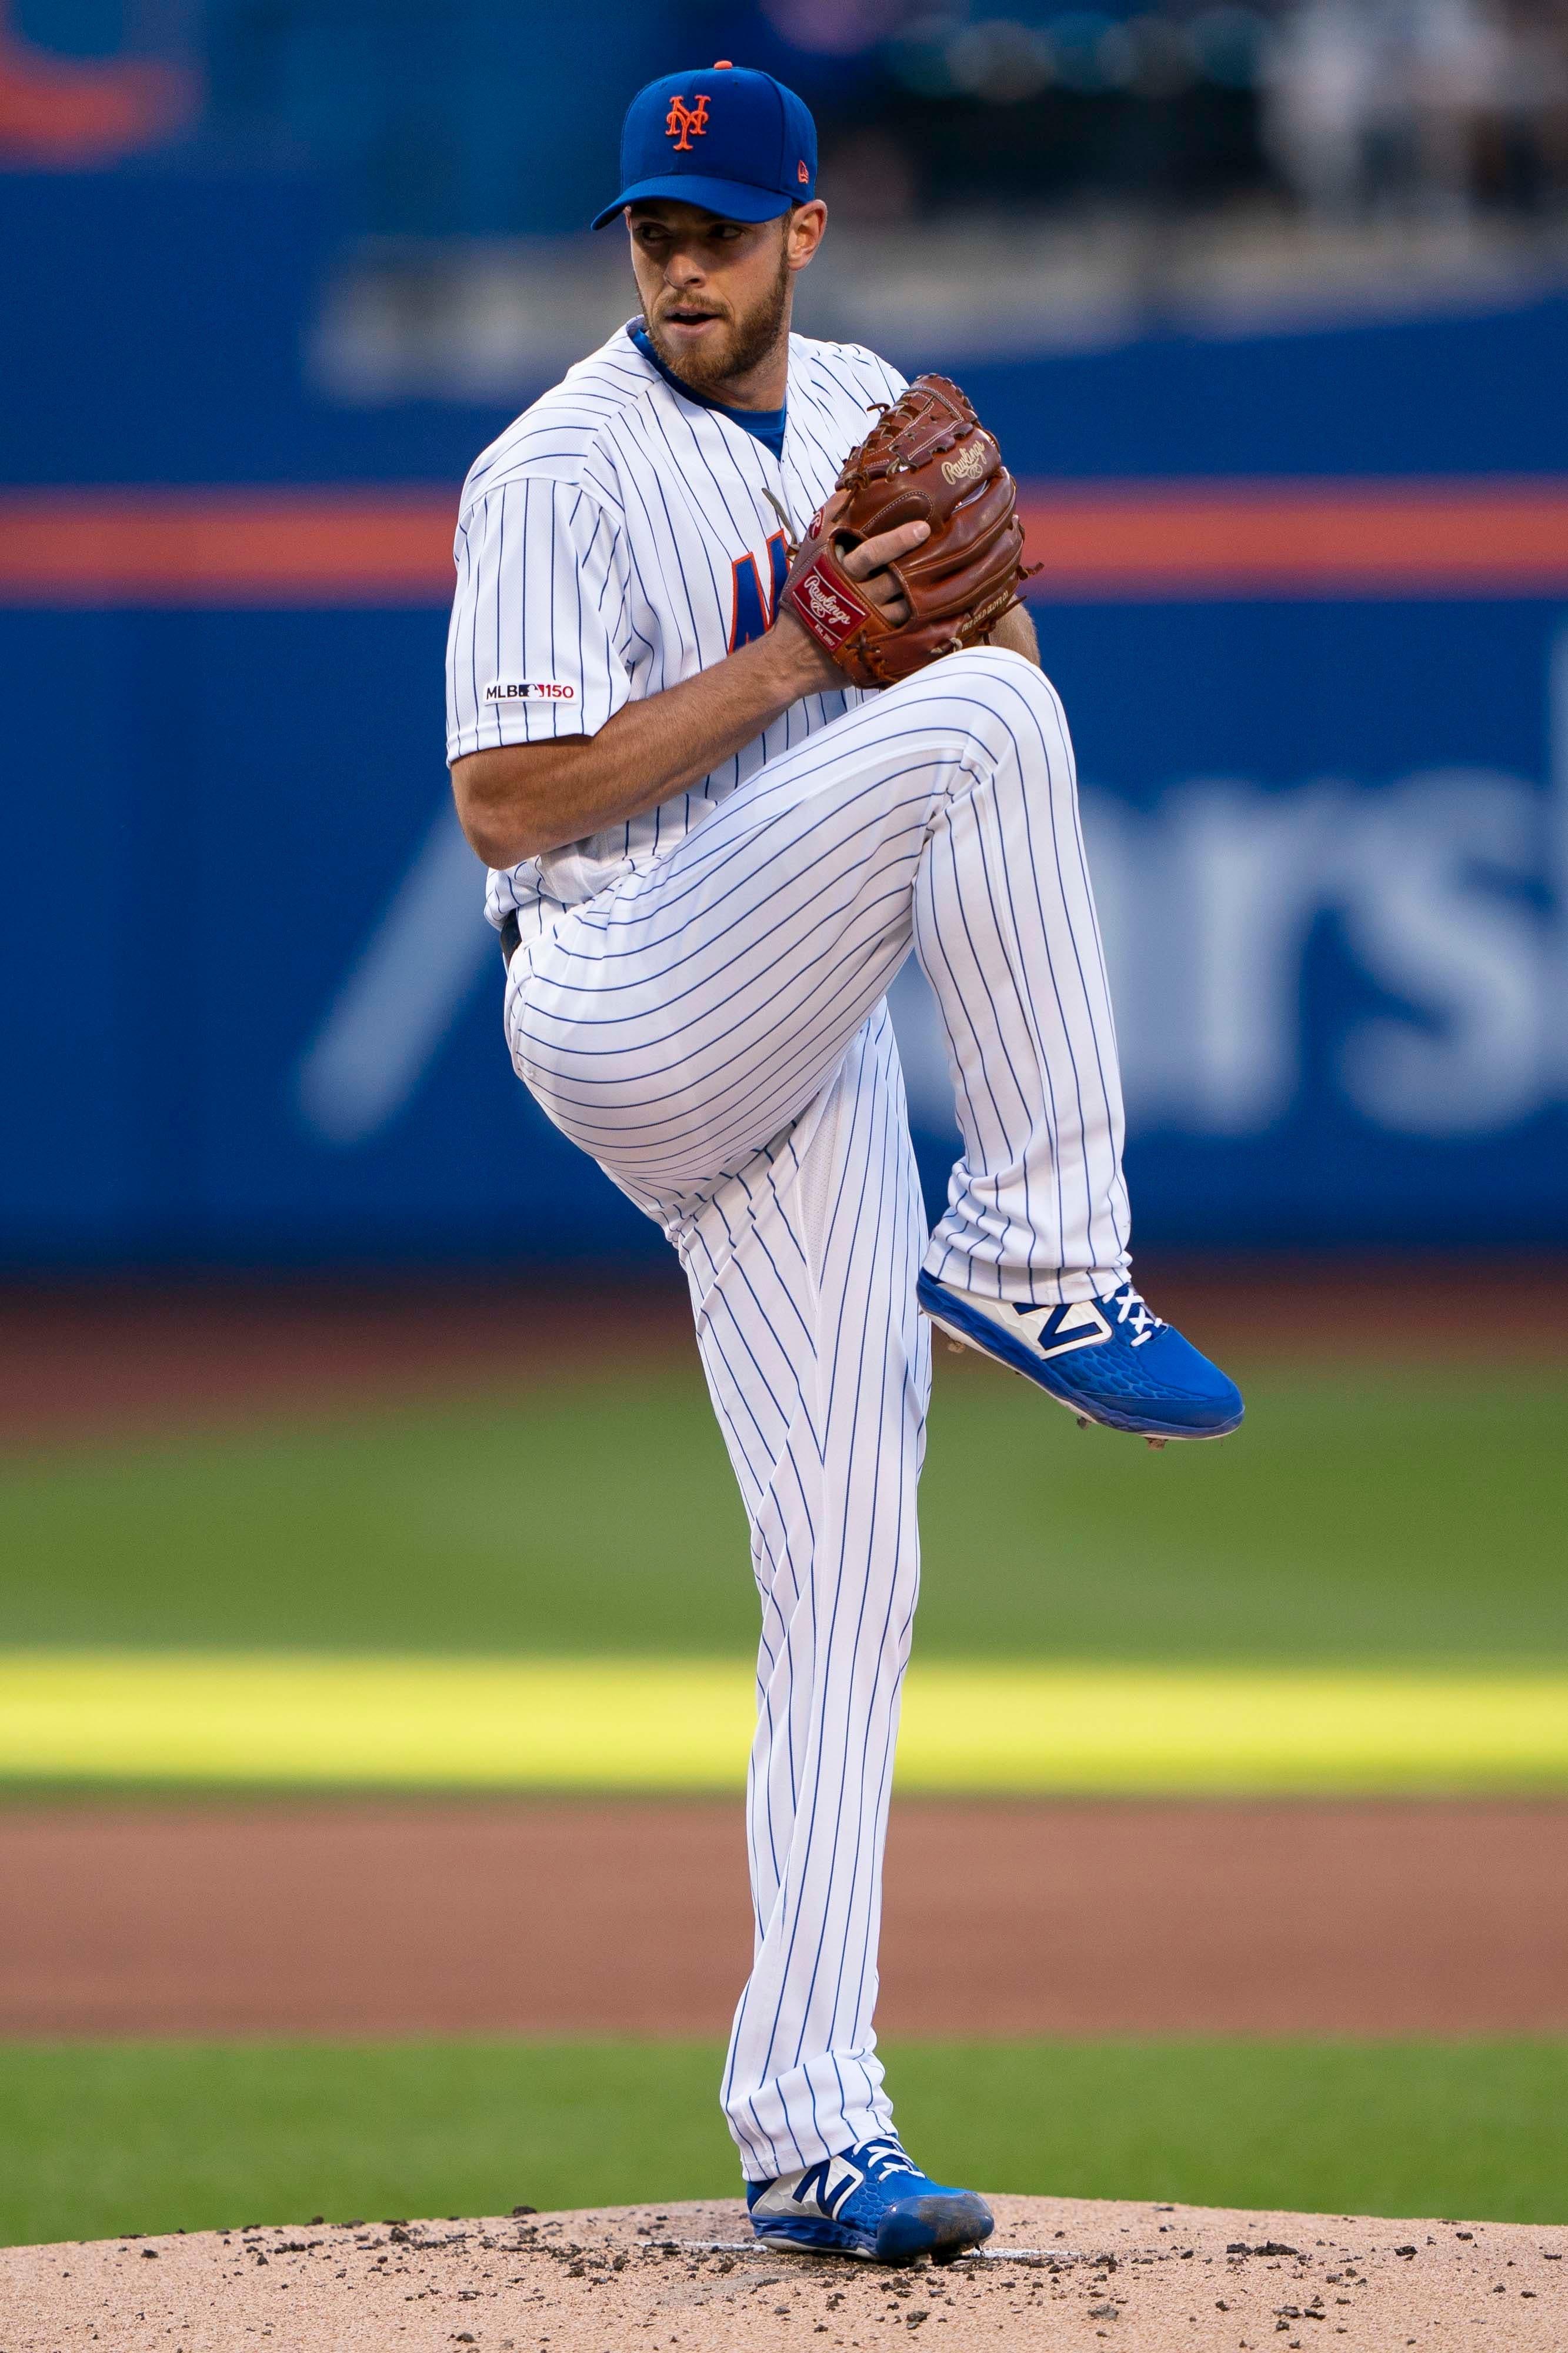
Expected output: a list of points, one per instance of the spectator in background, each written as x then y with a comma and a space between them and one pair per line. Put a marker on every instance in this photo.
1520, 145
1417, 106
1324, 81
1152, 110
1456, 68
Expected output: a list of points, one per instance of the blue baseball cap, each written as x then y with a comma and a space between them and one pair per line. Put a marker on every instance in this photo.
733, 140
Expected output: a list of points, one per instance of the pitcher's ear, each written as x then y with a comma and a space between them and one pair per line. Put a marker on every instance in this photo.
804, 226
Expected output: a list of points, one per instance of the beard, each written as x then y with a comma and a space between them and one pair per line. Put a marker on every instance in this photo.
751, 337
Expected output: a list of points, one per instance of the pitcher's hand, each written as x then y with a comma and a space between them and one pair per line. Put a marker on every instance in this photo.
867, 565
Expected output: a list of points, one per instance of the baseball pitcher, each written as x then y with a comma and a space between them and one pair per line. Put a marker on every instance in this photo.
743, 708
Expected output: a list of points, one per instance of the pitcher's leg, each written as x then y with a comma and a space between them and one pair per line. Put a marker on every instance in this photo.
673, 1028
803, 1276
1004, 927
698, 1011
1029, 1265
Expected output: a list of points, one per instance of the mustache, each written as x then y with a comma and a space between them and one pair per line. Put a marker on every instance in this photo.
673, 303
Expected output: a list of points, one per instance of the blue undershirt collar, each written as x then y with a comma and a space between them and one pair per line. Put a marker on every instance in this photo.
764, 425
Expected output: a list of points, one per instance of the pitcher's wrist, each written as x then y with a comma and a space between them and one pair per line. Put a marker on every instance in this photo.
799, 662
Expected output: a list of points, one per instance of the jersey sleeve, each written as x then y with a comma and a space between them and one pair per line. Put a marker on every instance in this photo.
534, 646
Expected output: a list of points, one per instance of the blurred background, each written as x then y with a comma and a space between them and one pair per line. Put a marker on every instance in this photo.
1268, 308
357, 1477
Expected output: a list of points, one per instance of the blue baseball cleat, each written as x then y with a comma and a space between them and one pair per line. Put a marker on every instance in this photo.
872, 2201
1109, 1360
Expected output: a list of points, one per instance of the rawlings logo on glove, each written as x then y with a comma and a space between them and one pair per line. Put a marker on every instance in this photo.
832, 618
966, 466
928, 460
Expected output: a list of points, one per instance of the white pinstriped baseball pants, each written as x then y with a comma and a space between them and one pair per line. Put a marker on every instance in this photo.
712, 1029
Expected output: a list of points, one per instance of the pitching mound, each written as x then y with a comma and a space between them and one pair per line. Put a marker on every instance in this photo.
1061, 2273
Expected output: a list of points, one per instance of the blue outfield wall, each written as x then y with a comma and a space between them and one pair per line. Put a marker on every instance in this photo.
254, 1012
168, 317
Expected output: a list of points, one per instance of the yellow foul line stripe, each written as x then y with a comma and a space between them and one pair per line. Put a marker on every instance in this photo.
685, 1724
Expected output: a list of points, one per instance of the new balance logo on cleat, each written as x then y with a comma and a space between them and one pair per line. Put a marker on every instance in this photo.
1082, 1324
822, 2187
826, 2186
872, 2201
1058, 1331
1110, 1360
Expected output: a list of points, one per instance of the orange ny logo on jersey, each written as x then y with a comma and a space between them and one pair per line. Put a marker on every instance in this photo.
683, 119
753, 613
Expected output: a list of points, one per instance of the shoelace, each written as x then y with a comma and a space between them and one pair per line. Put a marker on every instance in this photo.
881, 2157
1131, 1308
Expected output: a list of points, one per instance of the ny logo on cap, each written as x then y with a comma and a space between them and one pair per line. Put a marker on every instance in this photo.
683, 119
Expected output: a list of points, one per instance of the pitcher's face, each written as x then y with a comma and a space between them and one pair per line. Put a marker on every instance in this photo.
715, 293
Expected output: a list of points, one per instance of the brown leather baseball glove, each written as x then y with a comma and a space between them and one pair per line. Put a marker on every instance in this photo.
928, 459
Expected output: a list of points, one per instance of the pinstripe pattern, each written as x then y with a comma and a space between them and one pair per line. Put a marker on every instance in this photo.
595, 546
693, 1009
712, 1029
697, 1002
802, 1270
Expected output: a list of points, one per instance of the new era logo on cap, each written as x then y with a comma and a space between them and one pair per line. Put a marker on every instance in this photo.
724, 137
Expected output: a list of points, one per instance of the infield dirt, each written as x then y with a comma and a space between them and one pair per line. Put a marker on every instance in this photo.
1382, 1916
1070, 2274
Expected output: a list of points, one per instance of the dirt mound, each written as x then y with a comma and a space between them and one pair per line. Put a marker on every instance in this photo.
1063, 2272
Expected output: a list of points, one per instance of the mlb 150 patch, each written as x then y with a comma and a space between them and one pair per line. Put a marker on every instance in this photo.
519, 690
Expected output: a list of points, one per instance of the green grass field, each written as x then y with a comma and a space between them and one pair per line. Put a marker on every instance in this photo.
104, 2139
1359, 1517
1361, 1520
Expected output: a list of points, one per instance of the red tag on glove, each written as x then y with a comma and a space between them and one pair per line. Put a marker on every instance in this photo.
828, 604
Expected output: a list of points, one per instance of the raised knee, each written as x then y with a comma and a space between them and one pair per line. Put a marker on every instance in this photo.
998, 666
997, 698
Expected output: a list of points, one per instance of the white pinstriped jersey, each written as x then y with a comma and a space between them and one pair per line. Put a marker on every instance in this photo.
713, 1030
619, 538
